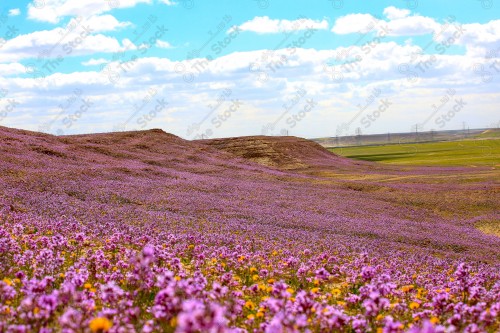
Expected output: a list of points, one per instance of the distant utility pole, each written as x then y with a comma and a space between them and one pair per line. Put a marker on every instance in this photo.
432, 134
358, 136
337, 141
389, 137
416, 132
465, 134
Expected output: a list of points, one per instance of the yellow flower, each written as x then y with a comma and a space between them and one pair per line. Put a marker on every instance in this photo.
191, 247
251, 317
100, 324
275, 253
87, 285
250, 305
435, 320
290, 290
270, 281
316, 282
36, 310
173, 322
253, 269
62, 275
7, 281
255, 277
407, 288
177, 278
414, 305
336, 291
314, 290
379, 317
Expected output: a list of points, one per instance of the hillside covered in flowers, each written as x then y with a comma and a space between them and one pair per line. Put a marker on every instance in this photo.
147, 232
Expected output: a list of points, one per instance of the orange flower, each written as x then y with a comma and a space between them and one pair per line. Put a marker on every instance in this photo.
100, 324
407, 288
414, 305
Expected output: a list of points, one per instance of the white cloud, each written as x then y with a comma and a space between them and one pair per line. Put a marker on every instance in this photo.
265, 25
80, 40
263, 100
163, 45
354, 23
412, 26
168, 2
95, 62
14, 12
396, 25
479, 39
12, 69
105, 23
395, 13
53, 10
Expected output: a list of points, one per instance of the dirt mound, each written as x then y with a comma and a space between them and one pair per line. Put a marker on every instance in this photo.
284, 152
156, 147
142, 151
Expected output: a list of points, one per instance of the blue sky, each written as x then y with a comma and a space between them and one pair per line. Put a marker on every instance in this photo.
227, 68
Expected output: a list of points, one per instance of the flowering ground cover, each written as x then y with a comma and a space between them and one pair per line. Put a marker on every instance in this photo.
146, 232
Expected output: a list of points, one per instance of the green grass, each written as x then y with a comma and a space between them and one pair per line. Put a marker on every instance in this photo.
451, 153
492, 133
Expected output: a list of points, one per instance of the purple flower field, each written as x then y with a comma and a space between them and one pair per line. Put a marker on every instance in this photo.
147, 232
